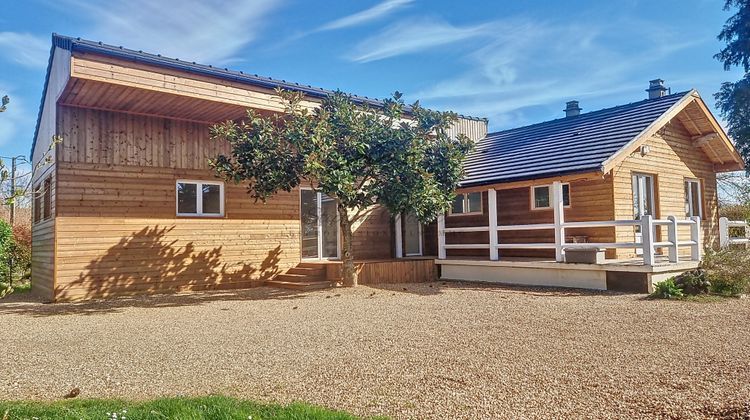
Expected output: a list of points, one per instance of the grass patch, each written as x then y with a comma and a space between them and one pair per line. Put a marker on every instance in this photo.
212, 407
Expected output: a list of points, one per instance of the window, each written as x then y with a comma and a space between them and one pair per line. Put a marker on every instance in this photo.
47, 199
469, 203
200, 198
541, 197
643, 196
37, 203
693, 198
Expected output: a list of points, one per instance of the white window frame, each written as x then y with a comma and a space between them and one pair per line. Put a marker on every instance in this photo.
689, 199
466, 205
421, 238
199, 198
319, 228
532, 192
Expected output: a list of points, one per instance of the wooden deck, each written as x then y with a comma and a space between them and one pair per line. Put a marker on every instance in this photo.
386, 271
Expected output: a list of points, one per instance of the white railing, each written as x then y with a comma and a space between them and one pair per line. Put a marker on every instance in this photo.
729, 228
648, 244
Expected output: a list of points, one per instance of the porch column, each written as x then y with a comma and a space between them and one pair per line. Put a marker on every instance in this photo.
441, 236
558, 207
695, 235
399, 238
492, 207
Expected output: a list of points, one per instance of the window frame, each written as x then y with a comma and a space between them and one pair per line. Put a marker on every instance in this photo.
199, 198
37, 203
47, 198
532, 196
466, 205
689, 197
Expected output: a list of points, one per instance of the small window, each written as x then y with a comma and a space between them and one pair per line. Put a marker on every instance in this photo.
47, 199
469, 203
542, 196
37, 203
693, 199
200, 198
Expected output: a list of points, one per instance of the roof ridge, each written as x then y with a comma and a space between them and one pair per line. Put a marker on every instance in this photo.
593, 113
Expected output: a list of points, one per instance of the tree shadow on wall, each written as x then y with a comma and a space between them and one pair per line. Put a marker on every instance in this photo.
147, 262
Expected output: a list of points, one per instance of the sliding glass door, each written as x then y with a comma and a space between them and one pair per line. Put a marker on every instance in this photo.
320, 225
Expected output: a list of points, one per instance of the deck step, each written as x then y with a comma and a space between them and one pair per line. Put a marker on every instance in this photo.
308, 271
300, 285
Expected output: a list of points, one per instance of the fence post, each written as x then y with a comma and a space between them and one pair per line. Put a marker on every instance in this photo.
558, 207
673, 236
441, 236
492, 207
399, 238
723, 232
647, 233
695, 236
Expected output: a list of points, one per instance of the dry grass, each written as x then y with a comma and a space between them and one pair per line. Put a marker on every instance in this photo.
430, 351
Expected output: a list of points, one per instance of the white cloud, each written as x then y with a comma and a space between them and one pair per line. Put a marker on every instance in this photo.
376, 12
25, 49
208, 31
415, 35
525, 64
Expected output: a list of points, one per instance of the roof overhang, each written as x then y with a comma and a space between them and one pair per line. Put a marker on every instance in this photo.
706, 132
532, 181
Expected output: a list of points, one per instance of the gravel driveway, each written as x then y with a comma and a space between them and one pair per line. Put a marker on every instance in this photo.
431, 350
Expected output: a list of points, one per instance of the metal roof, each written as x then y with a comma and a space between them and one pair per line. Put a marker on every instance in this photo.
86, 46
564, 146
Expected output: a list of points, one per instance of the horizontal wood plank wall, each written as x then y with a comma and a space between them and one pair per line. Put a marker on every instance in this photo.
590, 200
672, 159
372, 235
43, 259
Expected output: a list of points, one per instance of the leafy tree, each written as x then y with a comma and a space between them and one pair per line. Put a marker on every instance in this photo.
733, 99
4, 103
359, 156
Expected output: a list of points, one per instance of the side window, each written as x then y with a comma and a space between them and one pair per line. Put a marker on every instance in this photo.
693, 198
37, 204
541, 196
200, 198
468, 203
47, 199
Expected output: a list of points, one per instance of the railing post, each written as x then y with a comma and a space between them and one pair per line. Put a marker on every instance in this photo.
441, 236
673, 236
399, 238
723, 232
558, 207
647, 235
492, 207
695, 236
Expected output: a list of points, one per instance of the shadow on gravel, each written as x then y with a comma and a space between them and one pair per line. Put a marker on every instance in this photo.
25, 304
438, 287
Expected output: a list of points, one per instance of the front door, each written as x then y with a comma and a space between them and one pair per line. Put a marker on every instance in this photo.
320, 226
412, 235
643, 202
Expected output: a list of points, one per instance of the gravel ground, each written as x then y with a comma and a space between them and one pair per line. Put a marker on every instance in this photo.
432, 350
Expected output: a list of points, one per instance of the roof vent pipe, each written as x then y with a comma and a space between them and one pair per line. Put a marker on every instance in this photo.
572, 109
656, 89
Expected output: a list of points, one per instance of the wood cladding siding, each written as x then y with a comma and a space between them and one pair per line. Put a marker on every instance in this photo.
672, 159
43, 259
589, 199
117, 229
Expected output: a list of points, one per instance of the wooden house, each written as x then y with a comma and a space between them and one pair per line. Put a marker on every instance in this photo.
127, 204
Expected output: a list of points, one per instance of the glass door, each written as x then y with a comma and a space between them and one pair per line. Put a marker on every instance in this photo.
643, 202
412, 235
320, 225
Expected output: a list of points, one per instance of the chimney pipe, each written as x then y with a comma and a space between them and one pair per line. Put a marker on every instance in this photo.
572, 109
656, 89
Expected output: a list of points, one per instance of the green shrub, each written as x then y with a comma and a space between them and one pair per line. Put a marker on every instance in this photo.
728, 270
694, 282
667, 289
15, 257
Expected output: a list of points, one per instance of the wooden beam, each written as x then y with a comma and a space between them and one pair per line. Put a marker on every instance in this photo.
699, 141
728, 167
685, 118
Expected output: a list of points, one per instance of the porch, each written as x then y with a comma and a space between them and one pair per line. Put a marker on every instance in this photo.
660, 247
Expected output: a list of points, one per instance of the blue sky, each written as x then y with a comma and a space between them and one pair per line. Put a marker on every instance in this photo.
514, 62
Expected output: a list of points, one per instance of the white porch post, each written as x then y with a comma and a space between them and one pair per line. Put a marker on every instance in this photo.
723, 232
673, 238
441, 236
647, 235
558, 207
399, 238
695, 235
492, 206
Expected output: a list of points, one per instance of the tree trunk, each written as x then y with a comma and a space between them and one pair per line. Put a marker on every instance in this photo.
348, 273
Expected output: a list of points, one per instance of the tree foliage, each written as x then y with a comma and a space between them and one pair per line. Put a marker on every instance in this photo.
401, 158
733, 99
